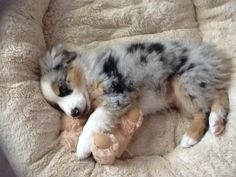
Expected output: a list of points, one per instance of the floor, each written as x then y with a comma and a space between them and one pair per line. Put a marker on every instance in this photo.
5, 169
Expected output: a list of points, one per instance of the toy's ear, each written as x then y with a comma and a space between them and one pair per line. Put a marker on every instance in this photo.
62, 57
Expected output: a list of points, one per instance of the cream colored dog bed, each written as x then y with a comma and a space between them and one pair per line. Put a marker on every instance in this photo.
29, 127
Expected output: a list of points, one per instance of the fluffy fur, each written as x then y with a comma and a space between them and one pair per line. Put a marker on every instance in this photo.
153, 75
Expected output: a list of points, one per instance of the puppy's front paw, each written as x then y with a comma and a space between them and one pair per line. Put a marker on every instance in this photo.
188, 141
81, 154
216, 123
83, 148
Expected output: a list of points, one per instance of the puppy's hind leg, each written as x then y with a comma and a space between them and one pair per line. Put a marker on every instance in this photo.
196, 130
219, 111
198, 126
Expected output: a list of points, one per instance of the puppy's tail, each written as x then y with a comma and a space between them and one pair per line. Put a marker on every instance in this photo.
219, 112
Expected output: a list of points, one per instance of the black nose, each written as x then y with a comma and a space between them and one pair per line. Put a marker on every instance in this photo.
75, 112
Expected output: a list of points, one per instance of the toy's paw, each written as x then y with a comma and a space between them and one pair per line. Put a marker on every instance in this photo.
188, 141
104, 148
131, 121
83, 150
69, 140
216, 123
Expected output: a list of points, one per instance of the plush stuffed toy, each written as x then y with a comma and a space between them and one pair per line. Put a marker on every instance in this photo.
105, 147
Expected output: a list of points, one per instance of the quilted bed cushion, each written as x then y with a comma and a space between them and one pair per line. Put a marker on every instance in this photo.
29, 127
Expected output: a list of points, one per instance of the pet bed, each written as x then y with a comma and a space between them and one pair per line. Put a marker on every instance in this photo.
29, 127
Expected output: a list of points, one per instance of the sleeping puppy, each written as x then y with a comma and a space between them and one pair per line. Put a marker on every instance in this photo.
108, 81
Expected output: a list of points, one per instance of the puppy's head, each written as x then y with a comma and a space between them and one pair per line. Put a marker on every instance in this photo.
63, 83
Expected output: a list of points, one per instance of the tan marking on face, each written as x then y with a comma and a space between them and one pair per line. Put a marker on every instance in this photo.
96, 93
197, 127
77, 79
76, 76
55, 88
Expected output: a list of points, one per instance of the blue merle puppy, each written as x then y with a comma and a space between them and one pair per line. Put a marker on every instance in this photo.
153, 76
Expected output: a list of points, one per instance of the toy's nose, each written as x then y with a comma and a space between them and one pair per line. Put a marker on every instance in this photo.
75, 112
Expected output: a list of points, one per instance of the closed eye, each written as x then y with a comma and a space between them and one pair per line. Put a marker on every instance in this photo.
64, 90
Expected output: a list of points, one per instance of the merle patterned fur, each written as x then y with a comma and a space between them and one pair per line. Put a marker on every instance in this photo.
126, 70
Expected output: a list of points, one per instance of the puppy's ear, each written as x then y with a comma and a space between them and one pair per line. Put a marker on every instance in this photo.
101, 57
104, 55
57, 59
62, 57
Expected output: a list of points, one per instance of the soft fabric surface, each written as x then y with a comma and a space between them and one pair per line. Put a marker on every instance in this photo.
29, 127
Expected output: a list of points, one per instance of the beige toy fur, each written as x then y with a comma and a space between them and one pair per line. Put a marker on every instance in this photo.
105, 147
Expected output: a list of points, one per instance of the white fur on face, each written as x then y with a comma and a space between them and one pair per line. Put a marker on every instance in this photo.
47, 90
75, 100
